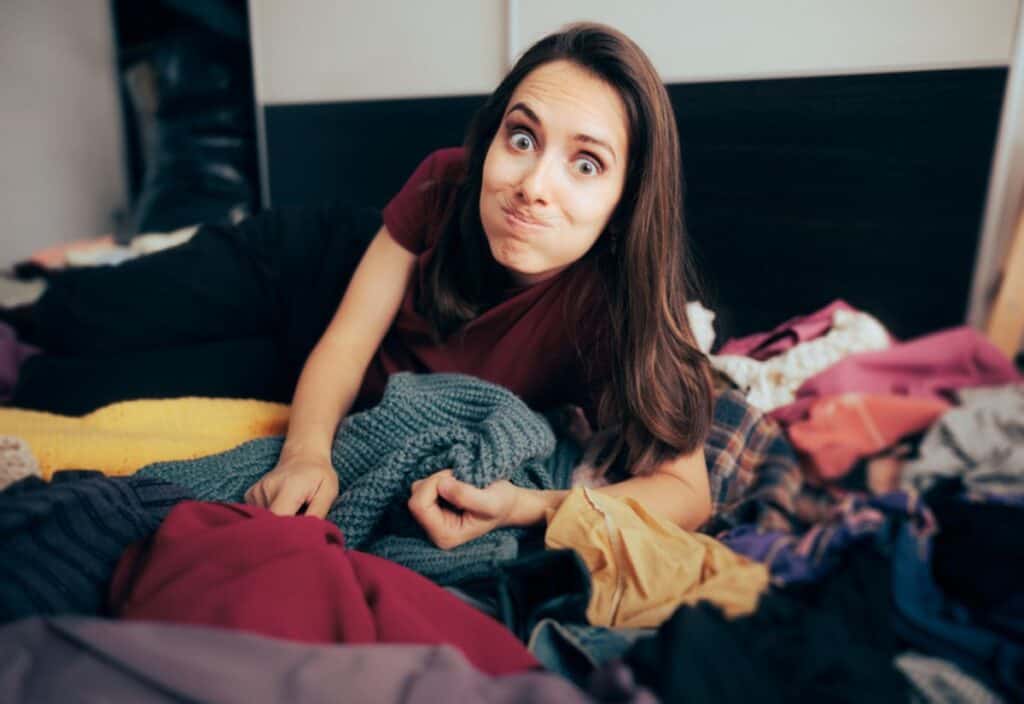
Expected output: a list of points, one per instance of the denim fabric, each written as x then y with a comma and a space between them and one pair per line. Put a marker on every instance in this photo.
575, 651
540, 584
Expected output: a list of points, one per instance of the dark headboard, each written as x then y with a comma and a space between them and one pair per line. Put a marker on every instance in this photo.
868, 188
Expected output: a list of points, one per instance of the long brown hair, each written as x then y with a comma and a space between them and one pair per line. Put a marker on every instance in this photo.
659, 387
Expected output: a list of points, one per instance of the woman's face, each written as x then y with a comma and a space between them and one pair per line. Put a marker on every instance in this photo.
554, 171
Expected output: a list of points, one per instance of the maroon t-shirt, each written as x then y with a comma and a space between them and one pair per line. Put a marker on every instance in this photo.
523, 343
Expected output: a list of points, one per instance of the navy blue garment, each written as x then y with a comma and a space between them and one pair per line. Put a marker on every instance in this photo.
827, 641
937, 625
976, 541
60, 542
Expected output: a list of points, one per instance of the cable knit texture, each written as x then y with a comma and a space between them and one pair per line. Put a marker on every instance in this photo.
423, 424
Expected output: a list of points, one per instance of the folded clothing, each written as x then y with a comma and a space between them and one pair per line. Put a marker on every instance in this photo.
242, 567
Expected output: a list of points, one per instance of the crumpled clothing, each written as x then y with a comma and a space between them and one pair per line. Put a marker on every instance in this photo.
159, 663
753, 472
810, 556
982, 442
60, 541
424, 423
643, 567
843, 429
930, 366
787, 335
931, 622
291, 577
773, 383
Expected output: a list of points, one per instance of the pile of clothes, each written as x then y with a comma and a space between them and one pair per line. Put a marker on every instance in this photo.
865, 493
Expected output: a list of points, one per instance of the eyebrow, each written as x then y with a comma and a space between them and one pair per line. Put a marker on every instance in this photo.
524, 108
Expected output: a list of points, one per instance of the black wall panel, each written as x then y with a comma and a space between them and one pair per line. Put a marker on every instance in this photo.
798, 191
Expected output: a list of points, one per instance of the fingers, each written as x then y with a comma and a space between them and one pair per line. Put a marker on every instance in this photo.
321, 502
469, 498
423, 498
445, 528
289, 499
257, 495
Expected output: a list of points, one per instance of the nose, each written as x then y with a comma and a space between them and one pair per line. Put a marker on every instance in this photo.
533, 187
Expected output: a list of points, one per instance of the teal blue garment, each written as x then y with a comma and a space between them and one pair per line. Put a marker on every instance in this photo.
424, 423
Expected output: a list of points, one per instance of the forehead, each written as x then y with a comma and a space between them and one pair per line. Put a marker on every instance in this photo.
567, 97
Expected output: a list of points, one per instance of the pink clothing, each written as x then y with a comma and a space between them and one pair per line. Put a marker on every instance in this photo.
929, 366
846, 428
764, 345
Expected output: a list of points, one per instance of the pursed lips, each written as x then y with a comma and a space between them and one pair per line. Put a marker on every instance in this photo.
521, 218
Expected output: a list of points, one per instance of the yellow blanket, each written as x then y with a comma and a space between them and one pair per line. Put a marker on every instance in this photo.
123, 437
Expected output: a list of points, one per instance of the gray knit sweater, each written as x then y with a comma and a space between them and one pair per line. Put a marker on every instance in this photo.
424, 423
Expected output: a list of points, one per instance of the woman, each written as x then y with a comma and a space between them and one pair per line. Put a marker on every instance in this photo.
571, 188
547, 255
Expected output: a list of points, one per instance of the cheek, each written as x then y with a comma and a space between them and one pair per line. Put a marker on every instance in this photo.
496, 169
590, 209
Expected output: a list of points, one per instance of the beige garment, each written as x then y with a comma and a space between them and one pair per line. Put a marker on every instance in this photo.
643, 567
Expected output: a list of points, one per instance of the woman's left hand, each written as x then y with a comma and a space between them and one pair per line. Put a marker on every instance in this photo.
476, 511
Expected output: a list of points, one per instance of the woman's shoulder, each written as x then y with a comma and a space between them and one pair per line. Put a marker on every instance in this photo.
449, 159
412, 215
444, 166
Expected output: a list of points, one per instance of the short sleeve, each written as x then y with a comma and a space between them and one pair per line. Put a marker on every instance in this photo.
416, 208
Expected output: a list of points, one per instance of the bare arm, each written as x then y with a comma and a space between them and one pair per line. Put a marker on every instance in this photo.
677, 490
331, 379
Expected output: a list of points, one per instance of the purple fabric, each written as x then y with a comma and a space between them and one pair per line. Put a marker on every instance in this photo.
46, 660
932, 365
810, 556
12, 354
764, 345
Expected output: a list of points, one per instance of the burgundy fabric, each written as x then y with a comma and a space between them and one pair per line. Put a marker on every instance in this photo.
523, 343
764, 345
933, 365
243, 568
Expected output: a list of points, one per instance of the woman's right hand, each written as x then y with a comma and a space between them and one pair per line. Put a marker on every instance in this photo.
296, 482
